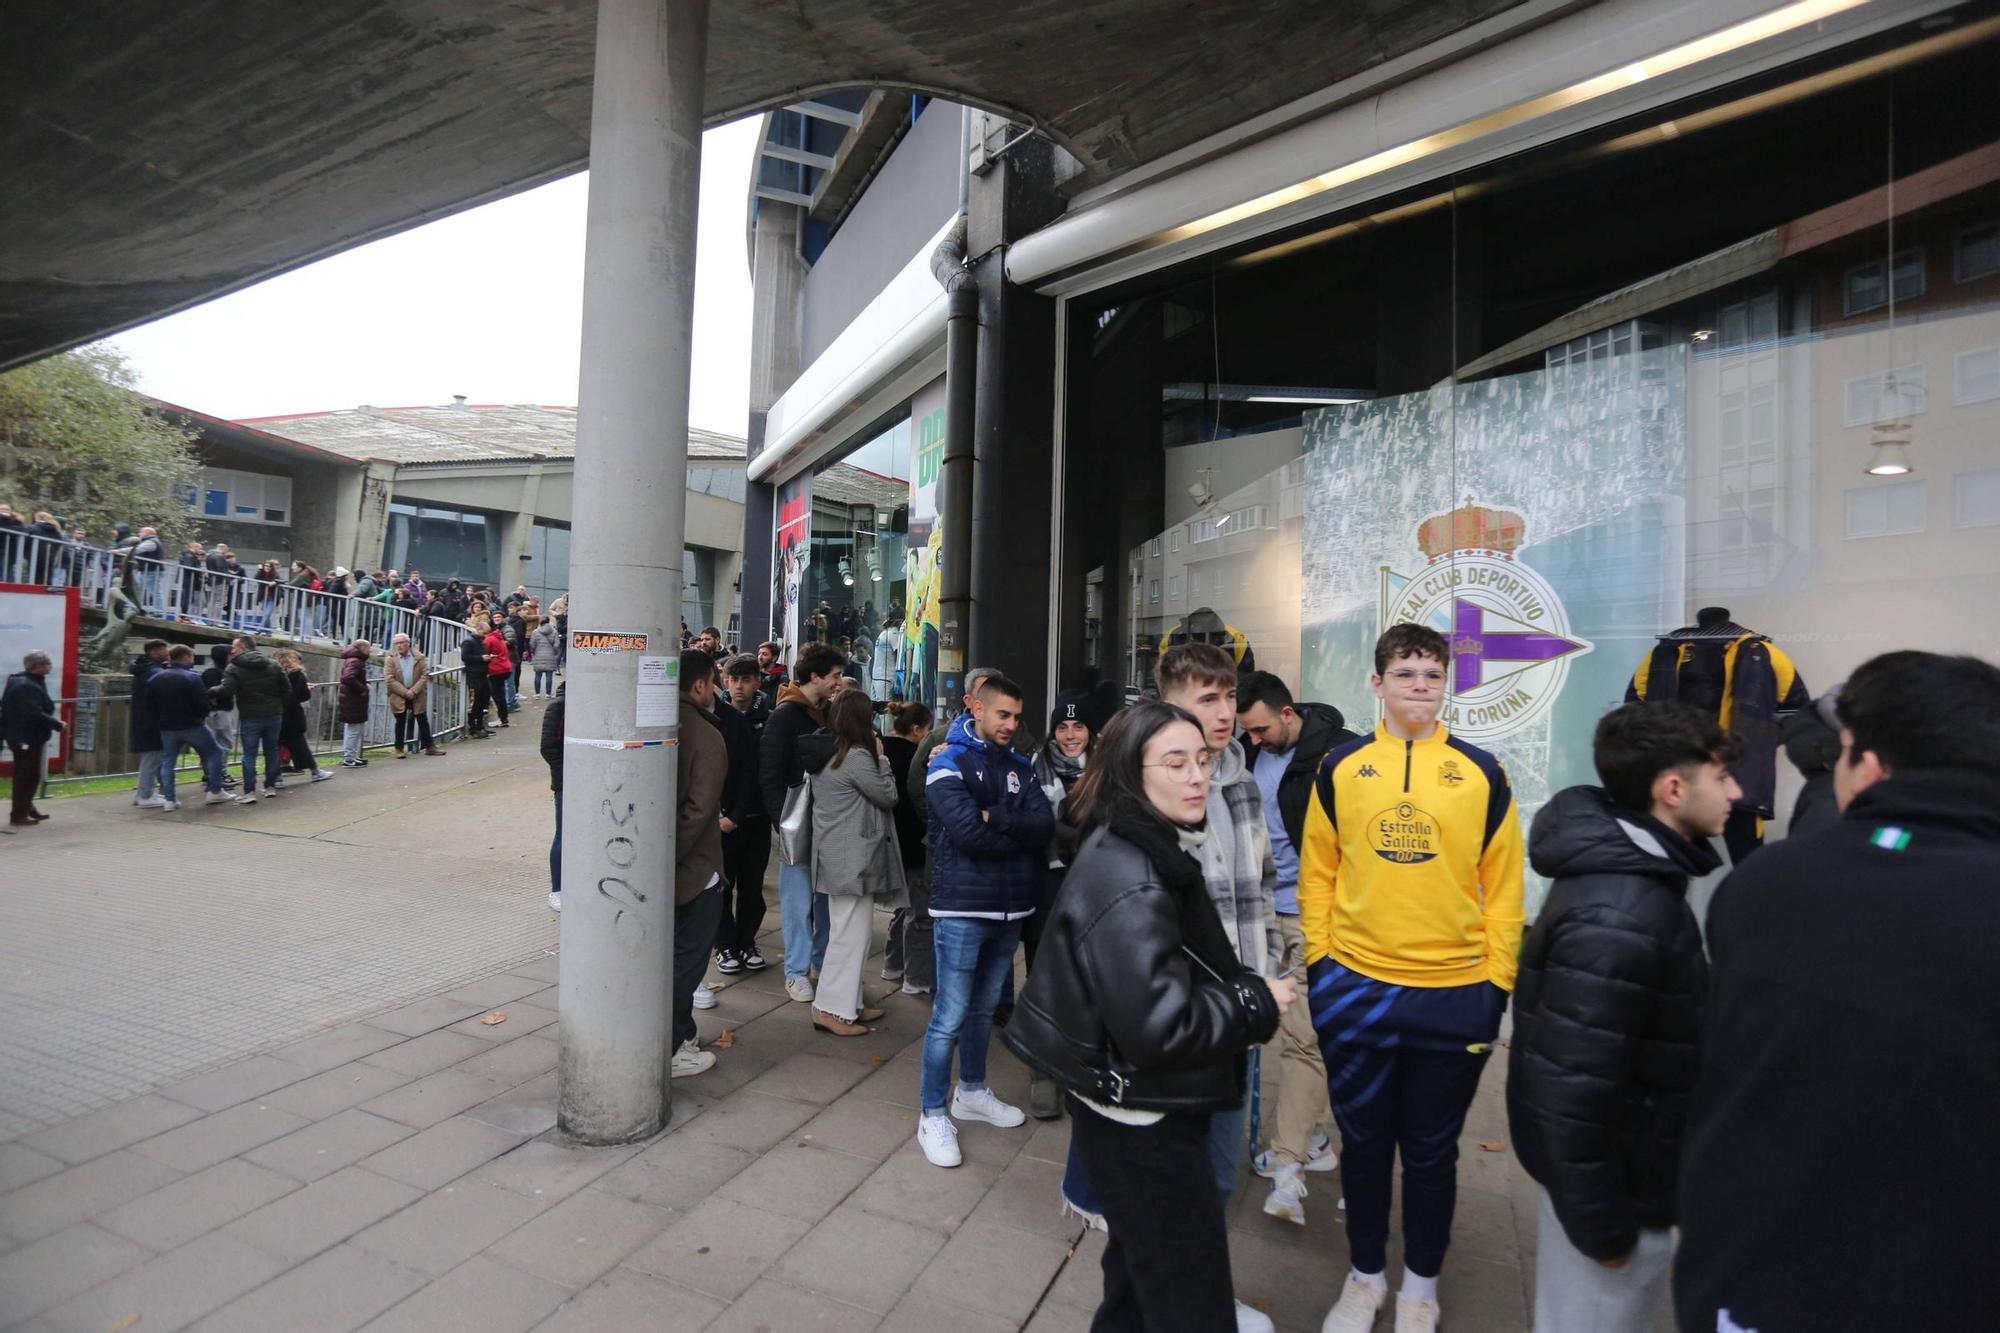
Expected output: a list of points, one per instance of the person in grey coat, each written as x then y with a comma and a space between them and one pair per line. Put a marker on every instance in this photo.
545, 655
855, 860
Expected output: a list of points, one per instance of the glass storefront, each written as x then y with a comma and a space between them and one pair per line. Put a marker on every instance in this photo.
1743, 355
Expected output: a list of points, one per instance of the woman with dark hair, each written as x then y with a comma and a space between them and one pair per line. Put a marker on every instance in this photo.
855, 861
292, 723
1141, 1010
908, 957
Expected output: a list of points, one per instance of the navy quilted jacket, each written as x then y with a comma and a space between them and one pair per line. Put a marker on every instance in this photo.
989, 826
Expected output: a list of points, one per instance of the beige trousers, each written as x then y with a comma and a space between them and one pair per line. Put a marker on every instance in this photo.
850, 919
1302, 1103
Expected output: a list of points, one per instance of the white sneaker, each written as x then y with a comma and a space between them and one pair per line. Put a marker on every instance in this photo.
910, 989
1288, 1195
704, 998
217, 798
247, 798
798, 988
981, 1104
1320, 1156
322, 775
171, 805
555, 902
152, 803
273, 793
938, 1137
1357, 1307
1415, 1316
1249, 1319
691, 1059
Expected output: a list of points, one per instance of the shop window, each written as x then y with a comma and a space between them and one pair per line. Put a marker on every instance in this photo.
1978, 499
1889, 395
242, 497
1891, 510
1976, 376
1978, 252
1864, 287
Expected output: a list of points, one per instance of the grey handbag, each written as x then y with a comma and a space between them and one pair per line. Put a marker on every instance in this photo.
795, 827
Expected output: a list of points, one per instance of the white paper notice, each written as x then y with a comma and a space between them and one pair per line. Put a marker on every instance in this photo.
658, 689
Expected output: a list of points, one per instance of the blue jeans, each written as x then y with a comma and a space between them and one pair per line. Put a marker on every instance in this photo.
555, 851
150, 762
973, 958
802, 913
545, 681
260, 733
202, 742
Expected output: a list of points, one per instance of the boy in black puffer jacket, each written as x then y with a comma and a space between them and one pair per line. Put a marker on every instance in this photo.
1607, 1012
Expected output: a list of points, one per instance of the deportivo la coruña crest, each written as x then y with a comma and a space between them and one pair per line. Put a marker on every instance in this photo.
1511, 644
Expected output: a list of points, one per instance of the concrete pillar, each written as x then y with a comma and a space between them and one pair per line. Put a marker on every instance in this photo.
631, 480
777, 290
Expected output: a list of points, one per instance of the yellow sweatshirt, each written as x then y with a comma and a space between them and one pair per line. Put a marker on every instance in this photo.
1410, 871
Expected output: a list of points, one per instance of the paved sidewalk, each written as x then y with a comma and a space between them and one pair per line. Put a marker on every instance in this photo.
396, 1167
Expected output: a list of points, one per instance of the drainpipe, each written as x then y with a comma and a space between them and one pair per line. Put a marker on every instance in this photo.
961, 355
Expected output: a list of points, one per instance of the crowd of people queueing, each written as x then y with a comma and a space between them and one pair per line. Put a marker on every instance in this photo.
1223, 868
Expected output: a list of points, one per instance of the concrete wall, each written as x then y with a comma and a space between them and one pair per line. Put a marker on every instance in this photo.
912, 196
313, 532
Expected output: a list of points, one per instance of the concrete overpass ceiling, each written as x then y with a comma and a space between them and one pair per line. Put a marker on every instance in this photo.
155, 164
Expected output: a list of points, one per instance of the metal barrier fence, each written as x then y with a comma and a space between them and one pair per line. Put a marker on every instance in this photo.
240, 603
100, 729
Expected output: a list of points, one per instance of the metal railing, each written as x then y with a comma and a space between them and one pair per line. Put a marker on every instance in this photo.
99, 727
241, 603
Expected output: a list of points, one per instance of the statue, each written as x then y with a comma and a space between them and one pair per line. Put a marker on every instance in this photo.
106, 648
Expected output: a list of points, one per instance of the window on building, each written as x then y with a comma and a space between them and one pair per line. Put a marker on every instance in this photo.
1194, 583
1885, 510
1864, 287
1978, 252
1891, 395
1153, 548
241, 497
1153, 588
1976, 376
1978, 499
1174, 588
1176, 539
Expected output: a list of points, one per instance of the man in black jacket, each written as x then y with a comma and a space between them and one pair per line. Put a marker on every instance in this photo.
1283, 744
143, 732
552, 755
259, 689
802, 912
179, 704
28, 718
746, 826
1840, 1172
1607, 1009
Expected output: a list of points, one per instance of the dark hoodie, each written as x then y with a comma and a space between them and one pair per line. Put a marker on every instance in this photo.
778, 767
1607, 1012
1812, 743
255, 685
1324, 728
354, 683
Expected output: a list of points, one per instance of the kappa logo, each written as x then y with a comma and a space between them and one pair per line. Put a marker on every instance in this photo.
1367, 771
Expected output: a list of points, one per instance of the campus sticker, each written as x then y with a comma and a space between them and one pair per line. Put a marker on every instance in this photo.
609, 641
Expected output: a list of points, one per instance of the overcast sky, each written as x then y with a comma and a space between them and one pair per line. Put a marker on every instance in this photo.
487, 303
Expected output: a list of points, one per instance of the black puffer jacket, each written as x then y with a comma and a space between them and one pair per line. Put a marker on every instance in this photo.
1136, 998
1607, 1012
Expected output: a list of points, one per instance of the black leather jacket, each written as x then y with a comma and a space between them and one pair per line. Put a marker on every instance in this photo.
1118, 1010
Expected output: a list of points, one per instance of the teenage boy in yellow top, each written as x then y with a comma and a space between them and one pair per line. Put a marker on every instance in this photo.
1410, 903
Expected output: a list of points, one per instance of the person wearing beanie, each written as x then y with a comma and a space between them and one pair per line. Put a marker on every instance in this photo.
1073, 728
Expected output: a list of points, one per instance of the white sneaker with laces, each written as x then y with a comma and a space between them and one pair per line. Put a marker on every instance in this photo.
247, 798
938, 1137
798, 988
273, 793
171, 805
1288, 1195
1320, 1156
691, 1059
704, 998
1249, 1319
217, 798
322, 775
152, 803
1413, 1316
981, 1104
1357, 1307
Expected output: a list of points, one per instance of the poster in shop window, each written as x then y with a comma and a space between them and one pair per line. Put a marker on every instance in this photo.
1534, 520
921, 624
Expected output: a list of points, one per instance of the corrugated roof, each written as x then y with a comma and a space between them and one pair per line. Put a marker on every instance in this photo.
467, 433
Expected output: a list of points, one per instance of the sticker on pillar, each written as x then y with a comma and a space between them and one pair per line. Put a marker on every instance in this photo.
659, 692
609, 641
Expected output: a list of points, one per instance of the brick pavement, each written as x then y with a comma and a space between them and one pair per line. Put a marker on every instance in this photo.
395, 1166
